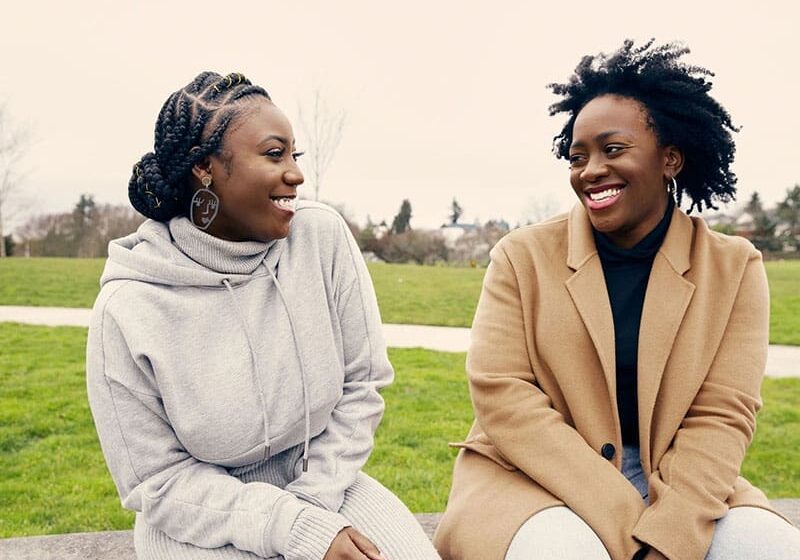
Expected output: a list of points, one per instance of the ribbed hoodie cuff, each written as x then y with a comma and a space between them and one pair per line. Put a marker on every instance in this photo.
312, 533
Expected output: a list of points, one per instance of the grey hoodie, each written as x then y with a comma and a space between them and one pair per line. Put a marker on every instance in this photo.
207, 356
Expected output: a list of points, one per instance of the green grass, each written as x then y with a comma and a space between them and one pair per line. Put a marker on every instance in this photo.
54, 479
427, 407
784, 289
50, 282
426, 295
422, 295
773, 460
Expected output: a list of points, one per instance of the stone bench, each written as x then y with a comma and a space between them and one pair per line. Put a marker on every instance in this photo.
118, 545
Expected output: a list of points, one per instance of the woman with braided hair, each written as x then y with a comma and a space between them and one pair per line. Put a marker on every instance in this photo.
617, 351
235, 351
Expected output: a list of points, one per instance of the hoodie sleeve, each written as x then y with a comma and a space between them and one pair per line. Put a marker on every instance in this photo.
340, 451
189, 500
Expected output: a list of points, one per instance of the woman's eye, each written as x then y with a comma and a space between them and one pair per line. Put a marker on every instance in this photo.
614, 148
297, 155
575, 160
275, 153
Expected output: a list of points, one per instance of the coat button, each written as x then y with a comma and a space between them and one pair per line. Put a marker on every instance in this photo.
608, 451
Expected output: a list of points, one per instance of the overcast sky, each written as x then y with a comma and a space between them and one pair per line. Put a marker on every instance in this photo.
443, 99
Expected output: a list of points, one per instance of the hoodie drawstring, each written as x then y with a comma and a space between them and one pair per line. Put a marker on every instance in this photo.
254, 360
306, 403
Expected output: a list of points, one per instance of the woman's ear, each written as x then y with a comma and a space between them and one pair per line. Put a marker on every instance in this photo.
202, 169
673, 161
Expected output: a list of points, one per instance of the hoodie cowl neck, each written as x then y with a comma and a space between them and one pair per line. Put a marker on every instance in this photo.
219, 255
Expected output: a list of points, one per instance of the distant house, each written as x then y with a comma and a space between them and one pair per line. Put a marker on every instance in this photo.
720, 222
380, 230
453, 232
740, 223
744, 225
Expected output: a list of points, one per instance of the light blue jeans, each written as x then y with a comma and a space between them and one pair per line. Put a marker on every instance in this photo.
745, 533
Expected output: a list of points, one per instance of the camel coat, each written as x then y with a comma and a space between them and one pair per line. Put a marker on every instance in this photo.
542, 378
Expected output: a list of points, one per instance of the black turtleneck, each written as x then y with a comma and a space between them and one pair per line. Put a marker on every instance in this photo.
627, 272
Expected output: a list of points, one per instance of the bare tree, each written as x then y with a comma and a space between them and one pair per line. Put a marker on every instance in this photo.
13, 143
539, 208
421, 247
83, 232
323, 128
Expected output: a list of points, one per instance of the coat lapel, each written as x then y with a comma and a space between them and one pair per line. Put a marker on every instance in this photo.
587, 288
666, 301
665, 304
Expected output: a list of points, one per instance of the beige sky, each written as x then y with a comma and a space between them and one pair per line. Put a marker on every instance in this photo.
443, 99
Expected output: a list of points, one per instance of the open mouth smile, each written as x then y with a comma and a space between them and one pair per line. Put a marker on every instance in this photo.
599, 198
285, 203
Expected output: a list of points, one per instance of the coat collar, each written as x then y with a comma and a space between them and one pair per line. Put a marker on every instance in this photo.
676, 247
667, 298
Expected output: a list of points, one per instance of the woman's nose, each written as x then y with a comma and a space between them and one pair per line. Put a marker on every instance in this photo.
293, 176
593, 170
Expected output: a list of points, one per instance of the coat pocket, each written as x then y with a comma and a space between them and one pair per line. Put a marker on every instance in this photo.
482, 445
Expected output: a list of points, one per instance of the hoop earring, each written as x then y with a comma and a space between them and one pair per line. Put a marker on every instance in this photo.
204, 205
672, 187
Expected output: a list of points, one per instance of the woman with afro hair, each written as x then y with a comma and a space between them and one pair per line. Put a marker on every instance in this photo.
235, 353
617, 351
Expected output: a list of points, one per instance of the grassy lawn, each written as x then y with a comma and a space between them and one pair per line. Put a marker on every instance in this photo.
784, 288
54, 479
427, 406
423, 295
426, 295
50, 282
407, 293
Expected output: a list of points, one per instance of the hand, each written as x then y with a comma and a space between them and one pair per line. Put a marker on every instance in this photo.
349, 544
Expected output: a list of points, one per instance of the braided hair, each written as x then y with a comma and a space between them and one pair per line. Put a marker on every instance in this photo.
680, 111
190, 127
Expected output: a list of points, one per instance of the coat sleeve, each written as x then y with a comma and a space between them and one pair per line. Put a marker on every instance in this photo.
696, 475
189, 500
522, 424
340, 451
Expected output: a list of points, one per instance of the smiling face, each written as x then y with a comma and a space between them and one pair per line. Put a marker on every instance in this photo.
256, 176
619, 170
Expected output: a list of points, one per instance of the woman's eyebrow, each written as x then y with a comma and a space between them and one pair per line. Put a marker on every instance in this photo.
274, 137
604, 135
598, 138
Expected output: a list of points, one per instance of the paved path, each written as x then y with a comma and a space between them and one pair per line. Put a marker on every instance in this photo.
782, 361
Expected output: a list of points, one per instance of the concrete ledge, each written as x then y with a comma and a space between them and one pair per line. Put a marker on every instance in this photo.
118, 545
107, 545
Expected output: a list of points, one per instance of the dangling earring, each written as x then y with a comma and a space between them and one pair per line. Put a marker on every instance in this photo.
204, 206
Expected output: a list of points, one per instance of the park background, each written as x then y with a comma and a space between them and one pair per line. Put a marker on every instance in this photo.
444, 105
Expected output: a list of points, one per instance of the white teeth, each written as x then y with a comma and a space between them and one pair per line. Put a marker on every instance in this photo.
603, 195
285, 203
